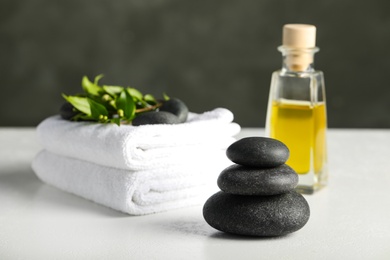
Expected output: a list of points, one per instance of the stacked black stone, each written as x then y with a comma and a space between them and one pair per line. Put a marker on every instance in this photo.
257, 197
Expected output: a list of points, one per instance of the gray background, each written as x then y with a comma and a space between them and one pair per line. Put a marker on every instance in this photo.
208, 53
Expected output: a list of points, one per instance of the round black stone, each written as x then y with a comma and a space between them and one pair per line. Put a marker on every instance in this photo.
176, 107
67, 111
259, 152
257, 215
152, 118
243, 180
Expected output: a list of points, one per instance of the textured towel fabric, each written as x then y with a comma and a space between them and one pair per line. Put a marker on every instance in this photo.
141, 147
132, 192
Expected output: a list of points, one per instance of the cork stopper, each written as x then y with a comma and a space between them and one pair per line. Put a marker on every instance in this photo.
300, 40
299, 36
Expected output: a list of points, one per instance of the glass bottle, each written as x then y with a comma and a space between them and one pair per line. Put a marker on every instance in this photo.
297, 109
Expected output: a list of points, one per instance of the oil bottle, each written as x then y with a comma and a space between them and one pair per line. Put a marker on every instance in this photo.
296, 112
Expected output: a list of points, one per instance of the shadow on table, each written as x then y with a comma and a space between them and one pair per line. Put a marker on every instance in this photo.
222, 235
196, 227
19, 181
25, 188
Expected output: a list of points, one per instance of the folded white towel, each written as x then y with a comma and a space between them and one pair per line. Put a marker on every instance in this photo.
132, 192
140, 147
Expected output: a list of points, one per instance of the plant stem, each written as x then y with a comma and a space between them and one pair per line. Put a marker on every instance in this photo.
145, 109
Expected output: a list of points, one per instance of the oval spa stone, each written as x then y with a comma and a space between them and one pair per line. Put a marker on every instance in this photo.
67, 111
176, 107
259, 152
257, 215
153, 118
243, 180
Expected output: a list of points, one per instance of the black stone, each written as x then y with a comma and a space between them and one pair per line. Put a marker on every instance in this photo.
259, 152
243, 180
176, 107
152, 118
257, 215
67, 111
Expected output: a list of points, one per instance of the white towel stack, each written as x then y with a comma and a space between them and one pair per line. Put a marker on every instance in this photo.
137, 169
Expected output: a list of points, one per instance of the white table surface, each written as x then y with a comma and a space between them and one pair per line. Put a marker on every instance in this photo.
350, 219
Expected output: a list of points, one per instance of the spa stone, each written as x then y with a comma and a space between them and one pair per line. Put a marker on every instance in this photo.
243, 180
259, 152
67, 111
153, 118
257, 215
176, 107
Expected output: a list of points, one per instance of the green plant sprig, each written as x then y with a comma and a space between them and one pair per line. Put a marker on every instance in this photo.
110, 104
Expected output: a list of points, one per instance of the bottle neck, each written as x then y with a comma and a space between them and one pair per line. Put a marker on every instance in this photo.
298, 60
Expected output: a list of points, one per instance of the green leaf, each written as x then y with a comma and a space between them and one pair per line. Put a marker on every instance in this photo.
82, 117
80, 103
113, 90
166, 97
97, 110
136, 94
109, 103
97, 78
126, 103
116, 121
150, 99
90, 87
